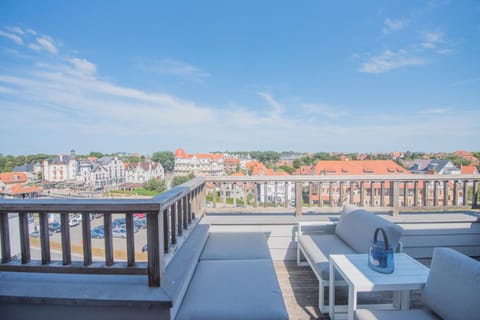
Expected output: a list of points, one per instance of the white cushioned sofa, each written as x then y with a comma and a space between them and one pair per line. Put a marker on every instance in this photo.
452, 291
351, 234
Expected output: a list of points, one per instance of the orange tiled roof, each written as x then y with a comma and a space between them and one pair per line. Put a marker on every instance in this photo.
20, 188
13, 177
469, 170
335, 167
180, 153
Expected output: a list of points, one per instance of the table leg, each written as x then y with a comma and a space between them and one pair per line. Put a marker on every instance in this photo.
331, 291
397, 300
405, 304
352, 301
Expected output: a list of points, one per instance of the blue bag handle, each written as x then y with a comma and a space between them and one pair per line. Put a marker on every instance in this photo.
384, 234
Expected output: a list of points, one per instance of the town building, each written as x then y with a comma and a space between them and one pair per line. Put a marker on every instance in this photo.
231, 165
141, 172
107, 171
206, 164
433, 166
60, 169
14, 185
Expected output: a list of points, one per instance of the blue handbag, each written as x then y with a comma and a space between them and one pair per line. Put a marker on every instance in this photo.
380, 255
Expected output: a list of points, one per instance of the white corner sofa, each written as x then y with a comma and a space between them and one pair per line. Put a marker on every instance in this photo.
352, 234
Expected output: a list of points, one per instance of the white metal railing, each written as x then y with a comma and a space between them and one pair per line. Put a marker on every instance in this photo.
395, 192
169, 216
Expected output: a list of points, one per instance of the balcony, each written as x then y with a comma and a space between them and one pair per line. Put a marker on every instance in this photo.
57, 275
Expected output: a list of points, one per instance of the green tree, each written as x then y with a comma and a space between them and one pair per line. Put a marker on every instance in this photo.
166, 158
95, 154
155, 185
287, 168
181, 179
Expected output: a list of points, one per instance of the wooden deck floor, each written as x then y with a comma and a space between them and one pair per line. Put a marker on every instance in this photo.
300, 292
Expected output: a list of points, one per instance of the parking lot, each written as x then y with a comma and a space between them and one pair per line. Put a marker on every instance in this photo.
140, 237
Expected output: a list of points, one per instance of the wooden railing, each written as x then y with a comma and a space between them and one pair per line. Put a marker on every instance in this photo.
169, 218
390, 192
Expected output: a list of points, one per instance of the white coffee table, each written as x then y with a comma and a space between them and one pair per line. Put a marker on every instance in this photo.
409, 275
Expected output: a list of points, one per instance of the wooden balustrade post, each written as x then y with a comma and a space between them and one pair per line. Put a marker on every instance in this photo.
214, 197
395, 198
180, 218
276, 194
415, 193
475, 194
265, 195
44, 238
5, 237
130, 239
362, 194
255, 194
234, 187
24, 236
382, 194
455, 192
445, 193
351, 192
298, 199
286, 195
107, 227
165, 232
155, 236
340, 200
173, 223
310, 202
66, 252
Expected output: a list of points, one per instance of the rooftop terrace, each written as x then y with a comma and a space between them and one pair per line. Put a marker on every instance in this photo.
434, 211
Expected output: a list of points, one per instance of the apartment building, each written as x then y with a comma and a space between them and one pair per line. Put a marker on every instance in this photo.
200, 164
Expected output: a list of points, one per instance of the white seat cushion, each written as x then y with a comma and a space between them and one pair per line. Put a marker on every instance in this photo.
233, 289
319, 247
417, 314
236, 246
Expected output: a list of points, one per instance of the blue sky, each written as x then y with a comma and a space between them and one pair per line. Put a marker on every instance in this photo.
142, 76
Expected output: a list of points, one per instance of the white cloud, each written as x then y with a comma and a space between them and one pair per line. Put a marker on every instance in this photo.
390, 60
83, 65
324, 110
15, 38
391, 25
16, 30
431, 40
435, 111
46, 44
175, 68
276, 108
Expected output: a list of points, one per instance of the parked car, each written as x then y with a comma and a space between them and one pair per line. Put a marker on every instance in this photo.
117, 224
73, 222
97, 233
119, 233
54, 227
141, 223
120, 220
144, 248
36, 234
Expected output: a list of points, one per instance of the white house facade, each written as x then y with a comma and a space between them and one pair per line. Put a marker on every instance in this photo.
141, 172
62, 168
